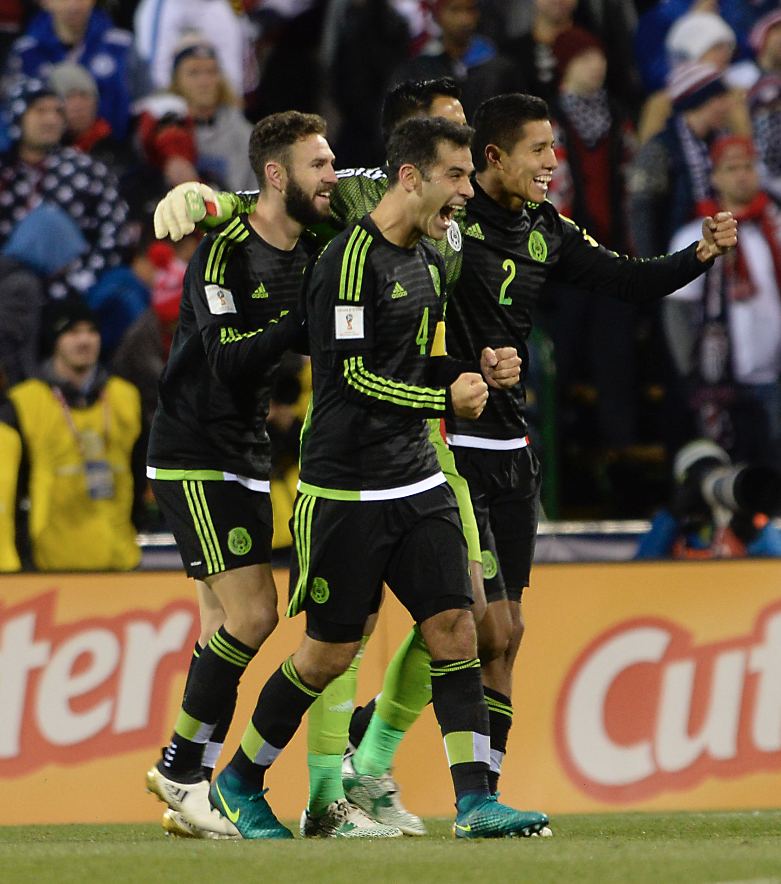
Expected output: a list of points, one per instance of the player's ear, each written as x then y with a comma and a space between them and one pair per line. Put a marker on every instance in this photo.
410, 177
276, 175
494, 156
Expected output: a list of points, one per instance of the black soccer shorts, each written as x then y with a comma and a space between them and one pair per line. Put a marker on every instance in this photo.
345, 550
505, 491
218, 525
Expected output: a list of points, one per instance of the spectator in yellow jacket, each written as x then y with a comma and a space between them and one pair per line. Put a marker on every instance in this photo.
10, 461
79, 427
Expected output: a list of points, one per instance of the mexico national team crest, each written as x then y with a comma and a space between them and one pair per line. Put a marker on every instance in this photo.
454, 237
538, 248
490, 565
320, 591
239, 541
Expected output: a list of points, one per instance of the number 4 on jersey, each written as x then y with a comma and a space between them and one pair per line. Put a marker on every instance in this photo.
422, 338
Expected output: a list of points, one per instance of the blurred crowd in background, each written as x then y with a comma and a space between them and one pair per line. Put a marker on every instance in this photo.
664, 112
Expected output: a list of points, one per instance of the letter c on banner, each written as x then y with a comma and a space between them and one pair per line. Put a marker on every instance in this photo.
586, 741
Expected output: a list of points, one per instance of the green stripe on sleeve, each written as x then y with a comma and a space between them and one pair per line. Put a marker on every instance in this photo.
392, 391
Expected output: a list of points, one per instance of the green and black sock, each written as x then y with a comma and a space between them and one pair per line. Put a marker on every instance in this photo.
459, 704
500, 718
282, 704
213, 676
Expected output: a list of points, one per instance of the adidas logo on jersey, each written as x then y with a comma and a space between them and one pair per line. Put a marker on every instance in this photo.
399, 291
260, 292
474, 231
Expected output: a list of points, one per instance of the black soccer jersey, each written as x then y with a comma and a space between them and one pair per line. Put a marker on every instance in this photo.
373, 309
214, 392
357, 193
507, 258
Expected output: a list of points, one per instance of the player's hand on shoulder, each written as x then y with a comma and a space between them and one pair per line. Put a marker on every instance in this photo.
719, 235
182, 208
501, 367
469, 393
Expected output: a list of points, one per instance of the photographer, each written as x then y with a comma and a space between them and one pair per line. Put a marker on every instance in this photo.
718, 511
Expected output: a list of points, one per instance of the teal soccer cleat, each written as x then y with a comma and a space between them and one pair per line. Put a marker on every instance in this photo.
486, 818
247, 809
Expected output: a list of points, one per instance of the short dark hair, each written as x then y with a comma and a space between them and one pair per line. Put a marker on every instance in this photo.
413, 98
417, 141
501, 121
273, 136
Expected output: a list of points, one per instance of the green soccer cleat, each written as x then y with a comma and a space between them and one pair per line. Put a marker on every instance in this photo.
378, 797
489, 819
246, 808
344, 820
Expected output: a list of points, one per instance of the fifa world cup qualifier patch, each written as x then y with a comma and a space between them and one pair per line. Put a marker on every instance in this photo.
220, 300
239, 541
348, 323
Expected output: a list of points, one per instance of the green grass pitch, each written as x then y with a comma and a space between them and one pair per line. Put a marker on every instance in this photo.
633, 848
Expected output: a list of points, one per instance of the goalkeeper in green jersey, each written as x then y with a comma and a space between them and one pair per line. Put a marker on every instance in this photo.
406, 690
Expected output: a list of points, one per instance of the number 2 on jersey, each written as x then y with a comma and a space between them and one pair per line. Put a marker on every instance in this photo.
509, 266
422, 338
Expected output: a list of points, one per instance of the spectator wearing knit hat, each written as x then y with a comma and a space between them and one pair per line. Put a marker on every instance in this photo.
81, 431
37, 168
764, 100
41, 246
85, 130
671, 172
703, 37
594, 146
197, 129
221, 130
655, 23
725, 327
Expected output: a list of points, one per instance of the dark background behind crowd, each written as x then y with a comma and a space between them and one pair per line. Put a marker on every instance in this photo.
663, 112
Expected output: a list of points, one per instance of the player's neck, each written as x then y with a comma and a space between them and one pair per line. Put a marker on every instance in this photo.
394, 219
491, 184
272, 224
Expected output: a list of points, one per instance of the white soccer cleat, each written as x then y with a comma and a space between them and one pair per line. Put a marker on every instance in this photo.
378, 797
344, 820
175, 824
191, 801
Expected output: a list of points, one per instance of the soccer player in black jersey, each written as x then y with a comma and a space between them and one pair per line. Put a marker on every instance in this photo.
514, 239
209, 453
373, 503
